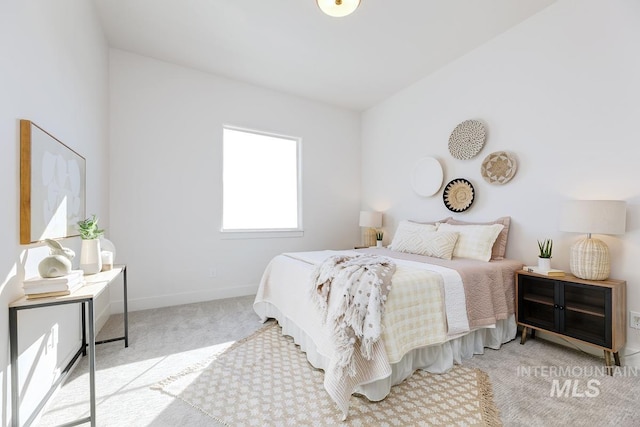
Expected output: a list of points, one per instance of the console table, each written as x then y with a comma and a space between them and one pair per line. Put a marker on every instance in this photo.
95, 284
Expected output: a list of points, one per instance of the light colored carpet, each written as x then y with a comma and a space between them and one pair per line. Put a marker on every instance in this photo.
523, 379
161, 342
168, 340
265, 380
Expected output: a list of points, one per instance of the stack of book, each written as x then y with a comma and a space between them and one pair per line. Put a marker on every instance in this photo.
44, 287
551, 272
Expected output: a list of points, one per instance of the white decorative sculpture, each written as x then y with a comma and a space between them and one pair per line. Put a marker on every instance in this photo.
58, 263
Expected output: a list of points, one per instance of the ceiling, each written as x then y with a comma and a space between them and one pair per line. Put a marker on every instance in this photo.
292, 47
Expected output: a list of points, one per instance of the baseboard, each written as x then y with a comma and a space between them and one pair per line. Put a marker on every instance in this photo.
183, 298
629, 356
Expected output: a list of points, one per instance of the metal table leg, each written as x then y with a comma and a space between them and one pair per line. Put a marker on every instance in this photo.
13, 344
92, 364
126, 308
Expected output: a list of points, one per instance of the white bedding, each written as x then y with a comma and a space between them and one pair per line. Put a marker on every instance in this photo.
409, 339
415, 315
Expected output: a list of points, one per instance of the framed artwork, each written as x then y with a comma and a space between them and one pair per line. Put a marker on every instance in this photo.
52, 186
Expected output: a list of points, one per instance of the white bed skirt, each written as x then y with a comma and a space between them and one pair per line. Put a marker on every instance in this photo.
436, 358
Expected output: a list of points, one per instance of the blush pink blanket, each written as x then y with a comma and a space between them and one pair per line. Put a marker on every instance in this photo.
489, 291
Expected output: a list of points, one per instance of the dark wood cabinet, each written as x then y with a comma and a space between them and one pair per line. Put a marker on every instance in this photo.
593, 312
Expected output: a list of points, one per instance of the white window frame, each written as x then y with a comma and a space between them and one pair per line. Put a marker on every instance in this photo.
298, 231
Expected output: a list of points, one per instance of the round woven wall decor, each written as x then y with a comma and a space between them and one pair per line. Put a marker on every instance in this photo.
458, 195
498, 168
467, 139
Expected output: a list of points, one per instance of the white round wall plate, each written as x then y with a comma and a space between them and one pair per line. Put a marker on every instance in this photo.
427, 176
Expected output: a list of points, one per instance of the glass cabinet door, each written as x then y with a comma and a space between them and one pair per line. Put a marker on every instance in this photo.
537, 302
587, 313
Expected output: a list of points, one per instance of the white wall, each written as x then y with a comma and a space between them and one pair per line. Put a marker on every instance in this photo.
560, 91
165, 142
53, 71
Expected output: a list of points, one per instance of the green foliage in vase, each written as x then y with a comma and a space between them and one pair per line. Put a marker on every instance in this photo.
379, 235
89, 228
546, 247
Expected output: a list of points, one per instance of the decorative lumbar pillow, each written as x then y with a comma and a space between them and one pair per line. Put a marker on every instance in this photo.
439, 244
500, 246
409, 236
474, 241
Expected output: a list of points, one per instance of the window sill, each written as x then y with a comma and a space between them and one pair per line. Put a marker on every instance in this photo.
260, 234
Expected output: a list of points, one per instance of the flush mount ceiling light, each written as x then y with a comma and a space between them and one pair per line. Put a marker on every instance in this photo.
338, 8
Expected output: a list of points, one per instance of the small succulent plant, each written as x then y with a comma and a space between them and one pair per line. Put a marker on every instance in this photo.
546, 247
89, 228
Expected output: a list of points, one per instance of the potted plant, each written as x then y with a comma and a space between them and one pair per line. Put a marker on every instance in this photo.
379, 236
544, 257
90, 259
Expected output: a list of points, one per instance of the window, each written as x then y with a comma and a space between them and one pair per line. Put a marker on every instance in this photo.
260, 182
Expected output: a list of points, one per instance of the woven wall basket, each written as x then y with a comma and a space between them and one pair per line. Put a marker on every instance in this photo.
590, 260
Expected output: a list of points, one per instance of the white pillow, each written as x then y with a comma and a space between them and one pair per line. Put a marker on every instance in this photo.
413, 237
474, 241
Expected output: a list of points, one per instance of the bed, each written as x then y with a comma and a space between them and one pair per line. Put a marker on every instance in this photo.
442, 309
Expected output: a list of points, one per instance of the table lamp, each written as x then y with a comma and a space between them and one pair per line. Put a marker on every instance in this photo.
370, 221
590, 257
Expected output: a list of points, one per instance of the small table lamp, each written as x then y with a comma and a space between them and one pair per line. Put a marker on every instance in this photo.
370, 220
590, 257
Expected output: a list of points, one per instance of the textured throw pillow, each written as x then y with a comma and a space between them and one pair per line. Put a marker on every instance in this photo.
500, 246
439, 244
408, 237
474, 241
424, 241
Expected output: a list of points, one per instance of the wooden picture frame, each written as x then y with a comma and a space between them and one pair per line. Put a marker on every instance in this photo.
52, 186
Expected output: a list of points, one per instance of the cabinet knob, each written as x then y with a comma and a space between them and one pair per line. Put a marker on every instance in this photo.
562, 307
555, 306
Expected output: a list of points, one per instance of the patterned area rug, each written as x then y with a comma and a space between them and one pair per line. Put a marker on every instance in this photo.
265, 380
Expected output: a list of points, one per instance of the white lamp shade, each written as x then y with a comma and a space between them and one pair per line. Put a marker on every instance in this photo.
370, 219
338, 8
594, 216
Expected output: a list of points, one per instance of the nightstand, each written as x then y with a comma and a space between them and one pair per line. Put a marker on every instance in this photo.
592, 312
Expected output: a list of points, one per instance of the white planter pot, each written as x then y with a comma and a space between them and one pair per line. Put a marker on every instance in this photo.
90, 257
544, 263
378, 243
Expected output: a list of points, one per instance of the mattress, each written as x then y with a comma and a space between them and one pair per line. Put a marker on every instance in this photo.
478, 313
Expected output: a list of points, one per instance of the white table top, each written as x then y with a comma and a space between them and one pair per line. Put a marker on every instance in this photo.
94, 285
